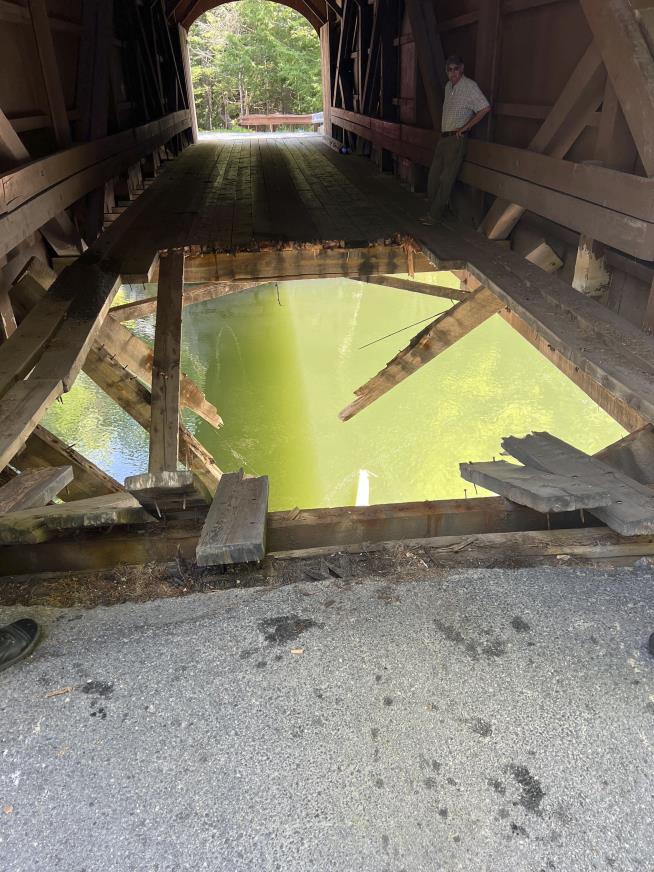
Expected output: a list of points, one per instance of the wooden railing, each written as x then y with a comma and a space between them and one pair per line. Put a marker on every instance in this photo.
32, 194
613, 207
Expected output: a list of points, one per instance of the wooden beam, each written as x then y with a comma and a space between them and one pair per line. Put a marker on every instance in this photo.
334, 528
631, 511
614, 406
168, 493
633, 455
630, 67
49, 200
164, 427
542, 491
30, 490
41, 524
129, 351
437, 337
194, 294
296, 263
443, 291
570, 114
50, 71
235, 528
43, 449
430, 55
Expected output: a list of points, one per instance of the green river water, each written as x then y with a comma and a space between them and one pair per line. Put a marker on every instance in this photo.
279, 362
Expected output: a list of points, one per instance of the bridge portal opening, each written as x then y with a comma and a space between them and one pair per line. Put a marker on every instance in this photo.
255, 65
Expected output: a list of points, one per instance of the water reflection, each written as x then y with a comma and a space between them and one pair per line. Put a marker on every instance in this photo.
279, 362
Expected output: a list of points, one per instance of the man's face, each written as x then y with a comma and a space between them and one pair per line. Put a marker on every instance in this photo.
454, 73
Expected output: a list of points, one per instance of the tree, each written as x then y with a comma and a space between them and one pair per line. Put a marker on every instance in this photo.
253, 56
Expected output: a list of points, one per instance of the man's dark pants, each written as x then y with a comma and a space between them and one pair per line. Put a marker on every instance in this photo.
444, 169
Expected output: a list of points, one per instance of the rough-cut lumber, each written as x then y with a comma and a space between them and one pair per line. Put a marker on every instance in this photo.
633, 455
418, 287
430, 55
335, 528
235, 528
105, 364
135, 399
39, 525
50, 70
31, 490
613, 405
542, 491
630, 67
437, 337
162, 493
596, 545
129, 350
43, 450
164, 424
631, 511
194, 294
570, 114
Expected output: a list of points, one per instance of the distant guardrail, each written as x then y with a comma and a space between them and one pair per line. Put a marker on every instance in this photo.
277, 119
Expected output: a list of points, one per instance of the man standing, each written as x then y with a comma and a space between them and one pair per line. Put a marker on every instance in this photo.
464, 106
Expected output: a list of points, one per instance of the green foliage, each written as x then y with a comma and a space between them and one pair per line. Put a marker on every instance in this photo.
253, 57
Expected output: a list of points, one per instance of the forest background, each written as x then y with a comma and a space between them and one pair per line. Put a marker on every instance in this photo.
253, 57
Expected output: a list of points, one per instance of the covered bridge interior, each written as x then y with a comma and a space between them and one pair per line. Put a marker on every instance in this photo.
104, 183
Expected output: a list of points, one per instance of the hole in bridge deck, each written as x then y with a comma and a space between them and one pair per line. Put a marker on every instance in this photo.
282, 360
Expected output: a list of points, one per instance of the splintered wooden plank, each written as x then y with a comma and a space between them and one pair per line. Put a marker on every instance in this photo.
43, 449
29, 490
631, 511
51, 522
164, 427
539, 490
235, 528
437, 337
164, 492
633, 455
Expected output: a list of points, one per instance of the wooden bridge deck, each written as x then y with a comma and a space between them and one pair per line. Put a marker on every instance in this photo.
295, 196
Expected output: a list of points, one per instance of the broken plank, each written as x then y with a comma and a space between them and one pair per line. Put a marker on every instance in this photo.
51, 522
631, 511
235, 527
633, 455
437, 337
43, 449
29, 490
542, 491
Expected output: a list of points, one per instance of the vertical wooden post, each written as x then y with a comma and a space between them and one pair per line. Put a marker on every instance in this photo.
50, 70
164, 428
325, 67
186, 61
591, 274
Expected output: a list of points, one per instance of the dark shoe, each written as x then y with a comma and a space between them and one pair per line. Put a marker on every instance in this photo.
426, 219
17, 640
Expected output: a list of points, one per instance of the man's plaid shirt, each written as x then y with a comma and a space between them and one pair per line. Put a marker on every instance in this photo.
461, 102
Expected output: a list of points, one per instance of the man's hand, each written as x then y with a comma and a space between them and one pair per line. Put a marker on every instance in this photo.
461, 132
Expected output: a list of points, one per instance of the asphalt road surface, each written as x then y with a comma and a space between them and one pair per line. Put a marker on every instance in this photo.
479, 720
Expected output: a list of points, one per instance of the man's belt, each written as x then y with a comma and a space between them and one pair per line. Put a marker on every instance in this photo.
452, 133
